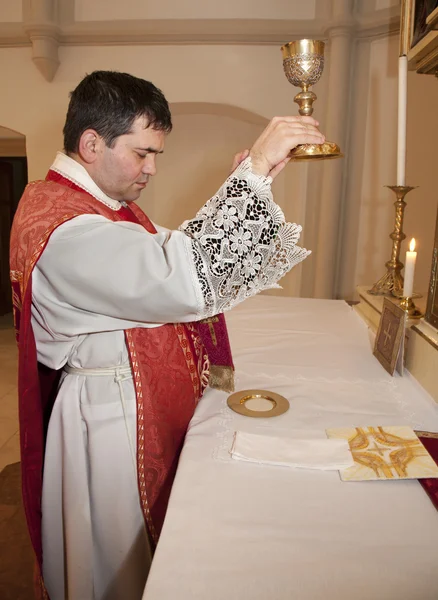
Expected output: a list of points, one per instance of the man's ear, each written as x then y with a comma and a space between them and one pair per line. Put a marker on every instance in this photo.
90, 146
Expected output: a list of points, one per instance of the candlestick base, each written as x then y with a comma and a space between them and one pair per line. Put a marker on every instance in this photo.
412, 312
390, 284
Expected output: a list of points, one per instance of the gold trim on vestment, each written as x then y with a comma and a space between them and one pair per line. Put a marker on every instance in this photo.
140, 436
190, 359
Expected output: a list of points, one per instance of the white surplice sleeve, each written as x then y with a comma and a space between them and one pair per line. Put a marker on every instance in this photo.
94, 268
244, 244
237, 245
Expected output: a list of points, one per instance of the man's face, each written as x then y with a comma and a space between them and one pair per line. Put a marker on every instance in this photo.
124, 170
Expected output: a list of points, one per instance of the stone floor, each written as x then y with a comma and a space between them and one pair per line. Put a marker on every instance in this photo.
16, 558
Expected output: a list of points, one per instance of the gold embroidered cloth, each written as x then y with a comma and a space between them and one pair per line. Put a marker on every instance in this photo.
385, 453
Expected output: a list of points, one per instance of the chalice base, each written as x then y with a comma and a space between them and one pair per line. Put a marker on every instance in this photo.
316, 151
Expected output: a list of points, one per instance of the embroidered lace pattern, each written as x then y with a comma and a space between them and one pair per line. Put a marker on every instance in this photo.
242, 244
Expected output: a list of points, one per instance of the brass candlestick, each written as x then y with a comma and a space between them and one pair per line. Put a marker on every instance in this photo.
303, 64
407, 304
392, 282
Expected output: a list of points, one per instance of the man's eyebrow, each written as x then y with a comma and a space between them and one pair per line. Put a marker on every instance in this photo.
154, 150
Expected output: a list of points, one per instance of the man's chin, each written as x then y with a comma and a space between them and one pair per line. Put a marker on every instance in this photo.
132, 196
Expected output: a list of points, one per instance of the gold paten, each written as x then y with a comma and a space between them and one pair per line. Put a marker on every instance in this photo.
237, 403
392, 282
303, 64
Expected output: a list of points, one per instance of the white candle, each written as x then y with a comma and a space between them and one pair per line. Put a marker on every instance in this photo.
402, 103
411, 257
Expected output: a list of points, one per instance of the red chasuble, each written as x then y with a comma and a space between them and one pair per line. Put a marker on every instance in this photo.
170, 364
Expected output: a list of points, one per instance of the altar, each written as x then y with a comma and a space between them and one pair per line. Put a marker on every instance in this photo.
239, 530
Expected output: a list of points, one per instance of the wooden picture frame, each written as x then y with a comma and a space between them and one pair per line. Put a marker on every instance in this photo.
406, 26
417, 18
389, 344
419, 35
420, 13
431, 315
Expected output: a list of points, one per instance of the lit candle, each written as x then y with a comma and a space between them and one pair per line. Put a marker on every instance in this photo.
402, 103
411, 257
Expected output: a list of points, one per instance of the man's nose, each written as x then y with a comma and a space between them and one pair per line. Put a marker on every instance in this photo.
149, 166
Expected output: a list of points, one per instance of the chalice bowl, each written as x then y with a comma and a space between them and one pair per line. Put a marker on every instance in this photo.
303, 63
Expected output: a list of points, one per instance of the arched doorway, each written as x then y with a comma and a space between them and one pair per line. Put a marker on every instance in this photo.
197, 158
13, 180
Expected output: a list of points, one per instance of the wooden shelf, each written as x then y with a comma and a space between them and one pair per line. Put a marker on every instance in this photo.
421, 351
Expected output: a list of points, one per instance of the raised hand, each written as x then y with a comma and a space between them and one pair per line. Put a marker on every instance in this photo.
238, 158
270, 152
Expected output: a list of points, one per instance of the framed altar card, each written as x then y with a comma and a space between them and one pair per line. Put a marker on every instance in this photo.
389, 344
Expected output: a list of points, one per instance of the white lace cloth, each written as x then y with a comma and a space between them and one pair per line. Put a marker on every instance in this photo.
244, 244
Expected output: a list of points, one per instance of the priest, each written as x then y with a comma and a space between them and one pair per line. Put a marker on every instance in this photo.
120, 327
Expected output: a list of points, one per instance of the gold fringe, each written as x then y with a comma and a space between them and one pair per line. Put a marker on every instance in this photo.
221, 378
426, 434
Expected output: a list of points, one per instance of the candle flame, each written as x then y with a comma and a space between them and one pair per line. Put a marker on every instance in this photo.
412, 245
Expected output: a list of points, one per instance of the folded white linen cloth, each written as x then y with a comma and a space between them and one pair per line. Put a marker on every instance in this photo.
321, 454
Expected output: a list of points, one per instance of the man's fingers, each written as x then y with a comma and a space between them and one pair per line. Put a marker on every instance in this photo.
238, 158
279, 138
300, 128
297, 119
309, 120
314, 136
309, 130
308, 139
306, 127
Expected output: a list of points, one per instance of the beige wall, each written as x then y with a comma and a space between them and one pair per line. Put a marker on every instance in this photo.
102, 10
380, 4
371, 6
10, 11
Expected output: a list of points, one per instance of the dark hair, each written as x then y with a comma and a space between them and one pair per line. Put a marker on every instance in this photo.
109, 102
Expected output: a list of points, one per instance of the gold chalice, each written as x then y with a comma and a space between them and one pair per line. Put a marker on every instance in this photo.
303, 63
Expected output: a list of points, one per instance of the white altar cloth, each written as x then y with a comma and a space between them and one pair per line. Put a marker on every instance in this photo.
242, 531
